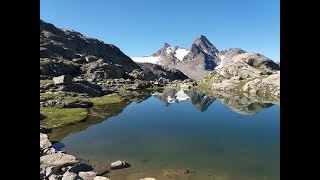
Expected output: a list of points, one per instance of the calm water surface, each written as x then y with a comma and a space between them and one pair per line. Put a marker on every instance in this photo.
213, 138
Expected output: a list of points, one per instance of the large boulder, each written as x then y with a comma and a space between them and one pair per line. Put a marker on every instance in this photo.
63, 79
44, 141
58, 159
80, 167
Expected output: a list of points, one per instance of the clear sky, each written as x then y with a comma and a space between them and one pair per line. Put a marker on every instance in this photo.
141, 27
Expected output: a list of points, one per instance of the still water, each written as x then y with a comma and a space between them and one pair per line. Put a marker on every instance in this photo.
214, 138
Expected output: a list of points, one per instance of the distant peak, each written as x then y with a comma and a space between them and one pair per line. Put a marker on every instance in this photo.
201, 38
166, 45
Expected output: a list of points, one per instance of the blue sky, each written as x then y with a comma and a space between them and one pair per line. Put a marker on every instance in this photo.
141, 27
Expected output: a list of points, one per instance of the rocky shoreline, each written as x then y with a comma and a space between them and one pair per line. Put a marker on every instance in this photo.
59, 165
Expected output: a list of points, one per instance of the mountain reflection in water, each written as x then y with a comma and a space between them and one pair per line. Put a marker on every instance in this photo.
201, 101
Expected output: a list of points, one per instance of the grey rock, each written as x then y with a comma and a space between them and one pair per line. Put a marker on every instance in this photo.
50, 150
90, 175
70, 176
119, 165
42, 173
55, 177
91, 58
101, 178
63, 79
58, 159
44, 141
51, 170
80, 167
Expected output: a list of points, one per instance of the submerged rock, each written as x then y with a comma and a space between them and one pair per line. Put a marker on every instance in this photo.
176, 172
119, 165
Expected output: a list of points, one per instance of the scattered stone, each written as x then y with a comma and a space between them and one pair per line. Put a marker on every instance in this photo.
119, 165
101, 178
70, 176
55, 177
148, 178
64, 79
80, 167
90, 175
49, 151
42, 173
51, 170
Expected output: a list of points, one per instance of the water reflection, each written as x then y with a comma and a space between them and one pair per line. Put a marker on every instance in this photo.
201, 101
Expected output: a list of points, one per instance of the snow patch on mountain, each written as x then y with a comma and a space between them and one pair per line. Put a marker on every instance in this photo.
180, 53
181, 96
147, 59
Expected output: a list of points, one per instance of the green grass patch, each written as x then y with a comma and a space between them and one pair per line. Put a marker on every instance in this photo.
58, 117
107, 99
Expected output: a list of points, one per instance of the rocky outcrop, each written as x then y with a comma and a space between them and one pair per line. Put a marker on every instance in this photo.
75, 103
72, 46
154, 72
249, 73
226, 55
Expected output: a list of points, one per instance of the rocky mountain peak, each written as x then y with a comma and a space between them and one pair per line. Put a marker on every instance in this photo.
205, 45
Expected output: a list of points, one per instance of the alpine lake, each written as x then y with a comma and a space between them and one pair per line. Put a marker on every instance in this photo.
214, 137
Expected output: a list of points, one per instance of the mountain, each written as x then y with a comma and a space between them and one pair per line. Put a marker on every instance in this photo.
64, 51
67, 52
196, 62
